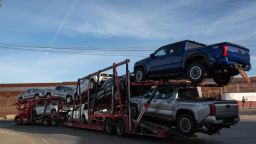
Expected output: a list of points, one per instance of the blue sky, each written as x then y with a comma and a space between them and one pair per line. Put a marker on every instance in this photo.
115, 24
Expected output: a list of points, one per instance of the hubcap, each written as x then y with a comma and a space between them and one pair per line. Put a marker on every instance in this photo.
139, 75
68, 99
185, 125
195, 72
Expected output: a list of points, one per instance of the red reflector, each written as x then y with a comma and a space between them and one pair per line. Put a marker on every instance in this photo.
225, 50
213, 110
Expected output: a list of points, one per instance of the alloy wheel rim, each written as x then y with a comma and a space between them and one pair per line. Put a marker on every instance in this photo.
185, 125
195, 72
138, 75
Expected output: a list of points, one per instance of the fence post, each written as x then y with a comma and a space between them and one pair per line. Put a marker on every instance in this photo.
237, 87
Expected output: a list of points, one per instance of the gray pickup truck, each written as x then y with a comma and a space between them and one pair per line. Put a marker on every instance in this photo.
182, 108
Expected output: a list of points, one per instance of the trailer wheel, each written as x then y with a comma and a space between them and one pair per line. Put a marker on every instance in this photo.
108, 126
17, 121
120, 128
54, 122
45, 121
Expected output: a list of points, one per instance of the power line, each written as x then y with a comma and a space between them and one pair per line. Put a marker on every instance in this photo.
69, 52
81, 48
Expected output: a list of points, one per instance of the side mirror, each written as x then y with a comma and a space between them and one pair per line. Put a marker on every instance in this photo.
151, 55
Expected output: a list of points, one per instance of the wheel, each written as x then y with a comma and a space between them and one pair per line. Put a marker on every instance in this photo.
69, 99
54, 122
186, 124
53, 112
139, 74
108, 126
222, 79
120, 127
45, 121
196, 72
134, 111
17, 121
48, 96
213, 129
36, 96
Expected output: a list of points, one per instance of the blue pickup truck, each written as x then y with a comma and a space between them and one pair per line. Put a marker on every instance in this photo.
195, 61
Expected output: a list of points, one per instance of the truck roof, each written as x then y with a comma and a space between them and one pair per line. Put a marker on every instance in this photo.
184, 41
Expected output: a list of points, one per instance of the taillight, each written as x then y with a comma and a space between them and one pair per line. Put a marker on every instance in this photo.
212, 110
225, 50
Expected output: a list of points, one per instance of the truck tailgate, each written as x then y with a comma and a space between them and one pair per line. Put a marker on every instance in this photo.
238, 54
225, 109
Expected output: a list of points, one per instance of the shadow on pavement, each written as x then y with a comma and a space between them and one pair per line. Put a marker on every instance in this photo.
242, 132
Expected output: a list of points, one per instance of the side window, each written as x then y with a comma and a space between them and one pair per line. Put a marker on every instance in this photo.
29, 90
173, 49
161, 52
58, 88
163, 95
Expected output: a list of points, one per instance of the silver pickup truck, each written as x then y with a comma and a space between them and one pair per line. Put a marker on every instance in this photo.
64, 92
182, 108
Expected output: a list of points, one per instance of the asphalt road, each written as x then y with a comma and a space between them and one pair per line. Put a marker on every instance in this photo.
244, 132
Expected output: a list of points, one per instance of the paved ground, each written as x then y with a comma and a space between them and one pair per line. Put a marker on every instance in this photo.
244, 132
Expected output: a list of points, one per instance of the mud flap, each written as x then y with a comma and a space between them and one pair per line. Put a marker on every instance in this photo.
244, 75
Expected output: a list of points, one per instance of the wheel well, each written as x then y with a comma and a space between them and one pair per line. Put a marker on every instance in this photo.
184, 111
200, 58
139, 66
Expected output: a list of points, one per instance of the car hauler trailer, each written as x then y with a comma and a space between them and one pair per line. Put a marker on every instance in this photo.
27, 114
116, 116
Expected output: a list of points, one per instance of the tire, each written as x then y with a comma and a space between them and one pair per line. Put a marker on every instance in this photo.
108, 126
48, 96
53, 111
186, 124
213, 129
17, 121
120, 128
196, 72
222, 80
45, 122
54, 122
36, 96
134, 111
139, 74
69, 99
